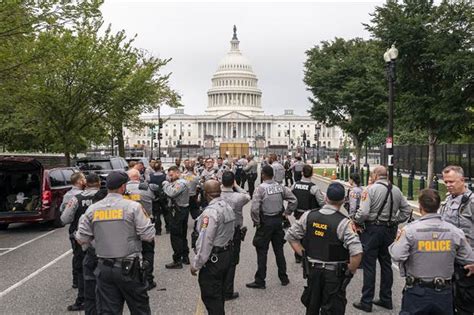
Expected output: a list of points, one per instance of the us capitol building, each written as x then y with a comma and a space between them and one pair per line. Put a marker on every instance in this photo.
234, 114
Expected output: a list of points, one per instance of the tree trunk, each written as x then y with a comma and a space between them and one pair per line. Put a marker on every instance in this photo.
121, 145
432, 140
67, 155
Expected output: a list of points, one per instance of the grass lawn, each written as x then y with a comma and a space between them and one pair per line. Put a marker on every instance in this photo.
416, 183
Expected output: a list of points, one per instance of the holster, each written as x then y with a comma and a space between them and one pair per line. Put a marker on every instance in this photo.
243, 232
194, 235
130, 266
305, 263
346, 274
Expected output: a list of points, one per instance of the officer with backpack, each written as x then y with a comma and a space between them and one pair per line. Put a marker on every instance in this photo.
73, 210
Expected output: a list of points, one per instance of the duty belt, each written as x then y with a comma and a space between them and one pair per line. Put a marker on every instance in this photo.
382, 223
437, 283
114, 262
325, 266
221, 249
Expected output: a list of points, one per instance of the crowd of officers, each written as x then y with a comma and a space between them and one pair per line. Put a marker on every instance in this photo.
112, 234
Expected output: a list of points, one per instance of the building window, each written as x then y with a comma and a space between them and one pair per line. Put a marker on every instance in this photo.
174, 132
189, 133
167, 133
279, 134
166, 142
174, 142
329, 144
148, 142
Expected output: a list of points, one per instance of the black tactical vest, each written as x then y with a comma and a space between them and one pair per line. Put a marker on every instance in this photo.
306, 200
321, 241
83, 203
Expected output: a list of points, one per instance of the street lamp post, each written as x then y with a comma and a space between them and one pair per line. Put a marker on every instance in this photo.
159, 133
390, 57
180, 140
304, 146
316, 136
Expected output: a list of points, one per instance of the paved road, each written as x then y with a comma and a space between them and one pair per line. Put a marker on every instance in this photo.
35, 278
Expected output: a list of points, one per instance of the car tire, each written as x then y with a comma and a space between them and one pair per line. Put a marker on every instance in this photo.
3, 226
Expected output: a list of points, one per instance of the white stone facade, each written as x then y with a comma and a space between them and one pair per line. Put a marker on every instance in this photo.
234, 114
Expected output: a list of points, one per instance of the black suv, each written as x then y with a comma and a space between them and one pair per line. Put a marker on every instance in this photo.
102, 166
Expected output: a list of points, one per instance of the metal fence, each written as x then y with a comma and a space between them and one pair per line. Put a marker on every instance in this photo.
408, 157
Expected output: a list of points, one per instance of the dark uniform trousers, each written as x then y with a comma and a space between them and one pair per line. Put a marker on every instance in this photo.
159, 209
252, 177
288, 178
114, 288
229, 279
423, 300
298, 176
463, 291
375, 241
243, 178
194, 207
77, 259
212, 281
271, 230
148, 253
179, 232
89, 265
323, 295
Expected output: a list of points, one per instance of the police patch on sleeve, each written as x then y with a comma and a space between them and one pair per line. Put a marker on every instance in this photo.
364, 195
205, 222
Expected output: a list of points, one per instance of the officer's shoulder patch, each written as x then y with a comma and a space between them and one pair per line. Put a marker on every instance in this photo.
399, 234
364, 195
205, 222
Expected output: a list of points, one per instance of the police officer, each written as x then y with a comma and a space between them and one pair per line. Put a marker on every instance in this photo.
251, 172
237, 198
333, 253
353, 194
209, 172
459, 211
267, 214
214, 248
78, 182
382, 208
297, 168
118, 226
159, 205
426, 250
76, 207
288, 173
142, 193
278, 169
177, 191
243, 176
193, 182
309, 196
221, 168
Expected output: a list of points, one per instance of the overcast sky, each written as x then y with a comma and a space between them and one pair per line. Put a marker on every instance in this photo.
273, 36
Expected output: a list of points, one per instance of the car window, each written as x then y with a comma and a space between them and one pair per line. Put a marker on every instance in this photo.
94, 165
57, 178
67, 175
116, 165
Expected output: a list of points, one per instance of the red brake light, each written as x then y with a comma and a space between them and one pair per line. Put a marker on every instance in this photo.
47, 197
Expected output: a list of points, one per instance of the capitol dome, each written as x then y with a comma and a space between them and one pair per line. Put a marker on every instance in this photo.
234, 85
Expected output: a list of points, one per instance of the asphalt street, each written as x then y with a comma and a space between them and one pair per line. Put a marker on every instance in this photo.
35, 278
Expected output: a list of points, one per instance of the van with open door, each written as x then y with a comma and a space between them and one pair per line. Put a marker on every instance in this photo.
30, 193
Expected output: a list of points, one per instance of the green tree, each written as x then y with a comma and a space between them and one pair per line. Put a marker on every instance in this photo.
347, 87
435, 66
21, 22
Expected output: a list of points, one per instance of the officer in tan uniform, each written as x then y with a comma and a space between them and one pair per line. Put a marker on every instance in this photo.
382, 208
426, 251
214, 248
118, 227
332, 253
459, 211
267, 214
